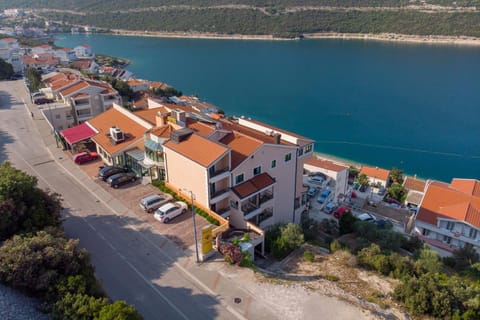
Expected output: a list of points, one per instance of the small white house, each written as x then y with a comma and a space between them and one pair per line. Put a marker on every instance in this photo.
336, 171
83, 52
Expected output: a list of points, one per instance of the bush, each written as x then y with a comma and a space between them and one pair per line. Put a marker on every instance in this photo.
308, 256
309, 228
346, 222
118, 310
37, 262
291, 238
231, 253
78, 307
335, 245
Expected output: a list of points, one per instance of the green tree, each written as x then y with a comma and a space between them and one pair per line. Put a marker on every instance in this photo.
78, 307
397, 192
427, 261
290, 238
6, 70
396, 175
465, 257
118, 310
37, 262
363, 180
34, 79
346, 223
23, 206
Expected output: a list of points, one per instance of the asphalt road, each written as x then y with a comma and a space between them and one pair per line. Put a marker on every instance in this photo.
129, 259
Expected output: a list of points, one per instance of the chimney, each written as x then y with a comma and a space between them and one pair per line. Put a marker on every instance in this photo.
276, 138
160, 119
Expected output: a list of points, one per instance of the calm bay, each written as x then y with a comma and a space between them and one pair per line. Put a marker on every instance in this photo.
416, 107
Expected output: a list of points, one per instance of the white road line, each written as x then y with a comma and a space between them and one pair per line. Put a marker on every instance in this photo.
149, 283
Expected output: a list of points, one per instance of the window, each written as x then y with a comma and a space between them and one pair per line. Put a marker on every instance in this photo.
57, 116
234, 204
450, 225
257, 170
288, 157
425, 232
473, 233
274, 163
239, 178
309, 148
300, 152
447, 239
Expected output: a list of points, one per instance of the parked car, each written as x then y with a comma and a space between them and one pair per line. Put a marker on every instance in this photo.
363, 188
318, 174
108, 171
83, 157
312, 191
154, 201
340, 212
316, 179
42, 101
329, 207
38, 94
169, 211
324, 195
366, 217
121, 178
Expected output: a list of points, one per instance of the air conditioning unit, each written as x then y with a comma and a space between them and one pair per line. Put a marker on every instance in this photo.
116, 134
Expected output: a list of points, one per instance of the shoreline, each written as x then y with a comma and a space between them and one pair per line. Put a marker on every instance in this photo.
387, 37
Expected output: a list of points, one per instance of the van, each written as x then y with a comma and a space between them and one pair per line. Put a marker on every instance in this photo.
154, 201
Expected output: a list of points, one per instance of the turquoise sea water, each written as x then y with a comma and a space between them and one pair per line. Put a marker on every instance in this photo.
416, 107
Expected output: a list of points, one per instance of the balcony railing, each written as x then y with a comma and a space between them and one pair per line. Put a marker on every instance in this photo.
266, 197
218, 172
248, 207
219, 193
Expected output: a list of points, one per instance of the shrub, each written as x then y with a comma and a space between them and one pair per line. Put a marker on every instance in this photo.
291, 238
231, 253
346, 222
118, 310
331, 277
308, 256
335, 245
78, 307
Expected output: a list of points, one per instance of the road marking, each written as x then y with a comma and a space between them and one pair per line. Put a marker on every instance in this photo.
247, 305
163, 243
215, 283
43, 162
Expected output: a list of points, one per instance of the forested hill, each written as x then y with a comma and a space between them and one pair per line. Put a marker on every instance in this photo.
264, 17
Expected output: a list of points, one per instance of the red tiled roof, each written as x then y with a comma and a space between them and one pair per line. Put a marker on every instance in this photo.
112, 117
468, 186
325, 164
198, 149
200, 127
163, 132
149, 115
76, 87
9, 39
253, 185
375, 172
242, 147
444, 200
414, 184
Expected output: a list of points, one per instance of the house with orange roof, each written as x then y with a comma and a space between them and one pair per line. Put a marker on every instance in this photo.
65, 55
245, 170
138, 85
416, 190
40, 61
85, 65
119, 138
42, 49
376, 175
84, 52
335, 171
88, 98
449, 215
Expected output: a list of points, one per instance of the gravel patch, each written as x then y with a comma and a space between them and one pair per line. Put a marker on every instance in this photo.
17, 306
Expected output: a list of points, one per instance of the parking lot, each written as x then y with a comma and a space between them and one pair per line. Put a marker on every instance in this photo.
179, 230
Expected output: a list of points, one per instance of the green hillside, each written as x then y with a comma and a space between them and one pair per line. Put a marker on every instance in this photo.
278, 17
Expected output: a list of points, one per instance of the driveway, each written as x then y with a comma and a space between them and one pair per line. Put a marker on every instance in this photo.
179, 230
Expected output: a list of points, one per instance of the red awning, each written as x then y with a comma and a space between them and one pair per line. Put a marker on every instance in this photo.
78, 133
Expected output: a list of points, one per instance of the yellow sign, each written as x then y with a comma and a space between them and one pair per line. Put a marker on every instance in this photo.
207, 240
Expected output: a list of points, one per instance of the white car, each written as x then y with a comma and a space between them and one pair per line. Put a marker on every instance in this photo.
316, 179
366, 217
169, 211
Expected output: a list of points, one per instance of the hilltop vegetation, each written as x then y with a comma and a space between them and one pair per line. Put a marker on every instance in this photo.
285, 18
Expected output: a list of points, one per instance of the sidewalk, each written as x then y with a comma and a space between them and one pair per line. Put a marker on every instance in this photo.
213, 276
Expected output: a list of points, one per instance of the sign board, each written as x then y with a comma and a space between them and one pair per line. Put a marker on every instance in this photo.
207, 239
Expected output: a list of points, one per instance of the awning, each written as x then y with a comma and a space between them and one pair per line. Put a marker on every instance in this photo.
136, 154
77, 133
152, 145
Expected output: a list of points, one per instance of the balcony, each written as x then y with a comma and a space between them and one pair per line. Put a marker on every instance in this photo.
267, 196
82, 106
219, 195
218, 175
84, 116
224, 212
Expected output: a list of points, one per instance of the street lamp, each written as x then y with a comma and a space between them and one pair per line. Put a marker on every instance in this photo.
194, 223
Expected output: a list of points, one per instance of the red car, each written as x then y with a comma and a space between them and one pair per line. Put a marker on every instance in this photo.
84, 157
340, 211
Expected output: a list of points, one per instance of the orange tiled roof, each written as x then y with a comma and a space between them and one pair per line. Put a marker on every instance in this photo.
62, 83
112, 117
107, 87
149, 115
82, 64
45, 60
230, 125
242, 147
326, 164
414, 184
468, 186
305, 139
443, 200
163, 132
76, 87
134, 81
253, 185
200, 127
198, 149
9, 39
375, 172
